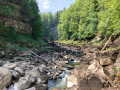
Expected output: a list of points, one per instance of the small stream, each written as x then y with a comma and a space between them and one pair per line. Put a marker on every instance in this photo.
59, 83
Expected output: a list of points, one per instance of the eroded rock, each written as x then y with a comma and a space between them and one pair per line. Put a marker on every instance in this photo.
5, 77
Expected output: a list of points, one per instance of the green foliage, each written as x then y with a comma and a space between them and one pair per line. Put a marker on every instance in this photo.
50, 20
74, 64
87, 18
29, 10
38, 27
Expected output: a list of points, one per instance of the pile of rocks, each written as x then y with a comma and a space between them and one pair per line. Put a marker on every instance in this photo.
23, 75
96, 71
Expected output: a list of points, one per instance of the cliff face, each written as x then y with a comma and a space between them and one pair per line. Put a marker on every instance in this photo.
53, 33
16, 20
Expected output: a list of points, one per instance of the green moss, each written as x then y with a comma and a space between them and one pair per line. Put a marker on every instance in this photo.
112, 48
74, 64
71, 42
98, 43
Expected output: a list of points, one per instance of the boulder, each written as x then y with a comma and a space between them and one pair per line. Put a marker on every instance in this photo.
2, 54
5, 77
69, 66
39, 87
104, 58
24, 83
15, 74
87, 77
36, 73
10, 65
18, 69
91, 83
70, 81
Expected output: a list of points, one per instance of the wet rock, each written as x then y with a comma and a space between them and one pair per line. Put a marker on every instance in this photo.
5, 77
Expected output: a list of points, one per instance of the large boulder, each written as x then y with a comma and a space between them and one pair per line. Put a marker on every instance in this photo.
5, 77
41, 76
87, 77
24, 83
10, 65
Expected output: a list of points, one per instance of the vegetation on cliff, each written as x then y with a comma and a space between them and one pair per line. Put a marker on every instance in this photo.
86, 19
50, 20
29, 10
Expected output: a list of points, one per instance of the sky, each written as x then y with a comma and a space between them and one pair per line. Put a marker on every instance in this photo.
53, 5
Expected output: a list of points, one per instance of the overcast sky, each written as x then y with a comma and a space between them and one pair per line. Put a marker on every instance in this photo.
53, 5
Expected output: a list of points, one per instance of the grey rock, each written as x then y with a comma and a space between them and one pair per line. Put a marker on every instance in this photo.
5, 77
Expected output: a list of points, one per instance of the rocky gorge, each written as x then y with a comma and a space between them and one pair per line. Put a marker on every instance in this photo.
33, 69
36, 70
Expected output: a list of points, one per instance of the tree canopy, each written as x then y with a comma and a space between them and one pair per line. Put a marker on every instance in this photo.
87, 18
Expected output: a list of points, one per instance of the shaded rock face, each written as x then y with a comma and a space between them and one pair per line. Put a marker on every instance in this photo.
5, 77
93, 83
16, 20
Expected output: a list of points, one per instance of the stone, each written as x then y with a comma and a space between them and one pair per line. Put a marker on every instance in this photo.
18, 69
110, 88
104, 58
23, 83
40, 76
74, 88
38, 87
92, 83
33, 88
4, 88
69, 66
70, 81
41, 87
2, 54
5, 77
10, 65
15, 74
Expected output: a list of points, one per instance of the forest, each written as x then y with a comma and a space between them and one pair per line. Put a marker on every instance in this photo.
50, 20
86, 19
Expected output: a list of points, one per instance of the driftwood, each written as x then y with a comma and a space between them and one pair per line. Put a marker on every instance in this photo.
107, 42
40, 57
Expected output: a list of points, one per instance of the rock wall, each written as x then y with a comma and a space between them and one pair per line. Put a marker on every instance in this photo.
16, 20
54, 33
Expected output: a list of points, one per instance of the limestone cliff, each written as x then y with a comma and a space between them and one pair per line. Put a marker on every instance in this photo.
16, 20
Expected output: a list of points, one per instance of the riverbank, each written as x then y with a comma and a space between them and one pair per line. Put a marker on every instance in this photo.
34, 69
99, 69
